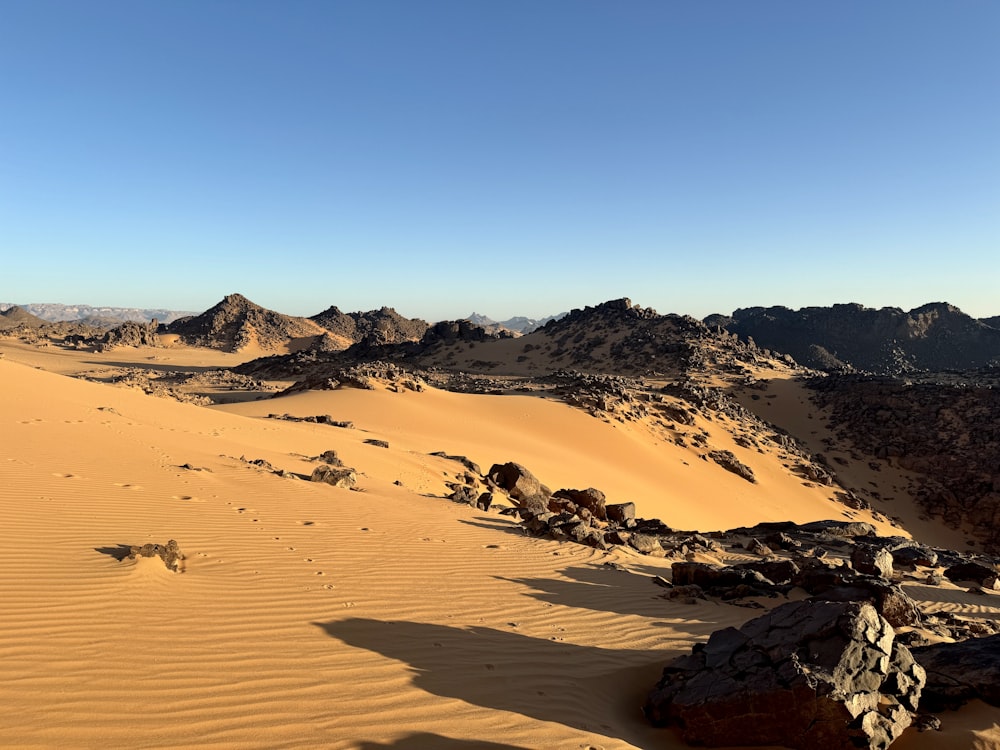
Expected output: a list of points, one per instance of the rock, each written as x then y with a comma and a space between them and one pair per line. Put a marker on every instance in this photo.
915, 555
839, 528
170, 553
960, 672
485, 501
984, 575
623, 513
757, 547
465, 496
466, 462
645, 544
518, 482
728, 461
591, 499
330, 457
805, 675
338, 477
377, 443
873, 561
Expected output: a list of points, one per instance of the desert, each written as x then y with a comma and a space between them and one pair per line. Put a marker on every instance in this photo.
446, 592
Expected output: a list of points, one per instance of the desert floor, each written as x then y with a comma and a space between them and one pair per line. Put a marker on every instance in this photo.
310, 616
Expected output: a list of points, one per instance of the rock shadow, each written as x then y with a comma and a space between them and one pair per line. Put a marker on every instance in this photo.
484, 522
586, 688
607, 589
119, 552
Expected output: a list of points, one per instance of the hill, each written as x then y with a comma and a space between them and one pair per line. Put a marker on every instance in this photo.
16, 316
887, 341
237, 324
383, 326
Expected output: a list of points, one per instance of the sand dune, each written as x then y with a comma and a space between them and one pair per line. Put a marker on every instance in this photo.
310, 616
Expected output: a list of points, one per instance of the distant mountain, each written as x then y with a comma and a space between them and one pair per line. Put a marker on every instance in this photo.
993, 322
236, 323
384, 326
518, 324
99, 316
887, 341
16, 316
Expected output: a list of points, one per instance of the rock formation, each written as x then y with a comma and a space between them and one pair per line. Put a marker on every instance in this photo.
805, 675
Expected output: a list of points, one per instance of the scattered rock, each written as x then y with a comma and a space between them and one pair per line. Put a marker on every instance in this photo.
338, 477
960, 672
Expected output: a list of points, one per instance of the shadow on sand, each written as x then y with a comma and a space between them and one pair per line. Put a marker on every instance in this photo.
586, 688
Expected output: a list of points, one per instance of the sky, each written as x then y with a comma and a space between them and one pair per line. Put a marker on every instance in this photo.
508, 157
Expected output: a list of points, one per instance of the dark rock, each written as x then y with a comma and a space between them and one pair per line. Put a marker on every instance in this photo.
889, 600
591, 499
622, 513
377, 443
338, 477
805, 675
728, 461
849, 529
466, 462
757, 547
984, 575
873, 561
329, 457
517, 481
170, 553
960, 672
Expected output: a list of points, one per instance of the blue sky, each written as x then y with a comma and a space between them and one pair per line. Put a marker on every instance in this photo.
503, 156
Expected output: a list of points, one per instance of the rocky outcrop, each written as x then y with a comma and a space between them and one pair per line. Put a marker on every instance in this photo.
377, 327
236, 323
960, 672
170, 553
130, 333
338, 476
887, 341
946, 433
728, 461
805, 675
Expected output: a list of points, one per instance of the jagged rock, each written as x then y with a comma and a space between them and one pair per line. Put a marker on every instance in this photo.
377, 443
170, 553
338, 477
757, 547
712, 578
960, 672
873, 561
518, 482
329, 457
623, 513
728, 461
847, 529
465, 495
591, 499
805, 675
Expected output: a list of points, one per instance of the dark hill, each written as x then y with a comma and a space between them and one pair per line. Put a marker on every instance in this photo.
887, 341
237, 323
384, 326
16, 316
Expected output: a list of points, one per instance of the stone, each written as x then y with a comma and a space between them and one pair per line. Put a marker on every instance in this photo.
517, 481
377, 443
871, 560
591, 499
960, 672
338, 477
622, 513
984, 575
805, 675
728, 461
646, 544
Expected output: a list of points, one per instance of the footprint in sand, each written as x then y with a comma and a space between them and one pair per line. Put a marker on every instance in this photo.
187, 498
134, 487
65, 476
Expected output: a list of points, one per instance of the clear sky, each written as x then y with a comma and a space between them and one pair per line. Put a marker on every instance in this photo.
500, 156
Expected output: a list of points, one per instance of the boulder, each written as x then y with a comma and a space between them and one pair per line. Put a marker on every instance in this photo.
591, 499
338, 477
871, 560
960, 672
805, 675
622, 513
517, 481
984, 575
728, 461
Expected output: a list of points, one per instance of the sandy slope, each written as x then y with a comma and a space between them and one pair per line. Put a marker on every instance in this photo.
310, 616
